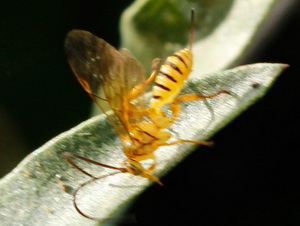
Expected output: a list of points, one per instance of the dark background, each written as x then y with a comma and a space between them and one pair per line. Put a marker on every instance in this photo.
250, 176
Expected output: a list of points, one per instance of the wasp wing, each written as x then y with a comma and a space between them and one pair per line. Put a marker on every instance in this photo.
133, 110
99, 66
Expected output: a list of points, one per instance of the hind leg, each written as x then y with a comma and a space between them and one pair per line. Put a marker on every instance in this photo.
137, 90
175, 106
206, 143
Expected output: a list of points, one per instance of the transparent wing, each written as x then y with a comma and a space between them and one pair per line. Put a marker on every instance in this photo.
132, 75
99, 66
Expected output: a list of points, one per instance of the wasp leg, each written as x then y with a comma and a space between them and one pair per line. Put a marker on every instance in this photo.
206, 143
175, 106
136, 168
136, 91
146, 157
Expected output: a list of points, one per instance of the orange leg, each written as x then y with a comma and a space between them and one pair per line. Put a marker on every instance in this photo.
206, 143
136, 91
136, 168
131, 111
175, 106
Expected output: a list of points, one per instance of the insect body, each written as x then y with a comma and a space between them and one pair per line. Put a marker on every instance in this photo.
140, 125
171, 77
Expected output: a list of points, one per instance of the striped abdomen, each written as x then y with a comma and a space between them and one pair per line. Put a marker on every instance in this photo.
171, 78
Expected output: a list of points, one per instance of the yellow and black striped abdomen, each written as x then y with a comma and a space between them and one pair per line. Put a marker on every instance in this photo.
171, 78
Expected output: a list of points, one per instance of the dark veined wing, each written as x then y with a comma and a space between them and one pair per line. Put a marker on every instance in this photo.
99, 66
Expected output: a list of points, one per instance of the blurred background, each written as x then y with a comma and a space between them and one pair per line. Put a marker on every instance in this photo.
40, 96
249, 177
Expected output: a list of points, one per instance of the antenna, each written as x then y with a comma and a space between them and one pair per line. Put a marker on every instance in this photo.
192, 29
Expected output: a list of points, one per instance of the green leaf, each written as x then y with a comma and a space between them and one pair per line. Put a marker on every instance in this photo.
39, 190
224, 29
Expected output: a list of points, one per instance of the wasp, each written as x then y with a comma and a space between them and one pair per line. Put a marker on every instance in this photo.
140, 123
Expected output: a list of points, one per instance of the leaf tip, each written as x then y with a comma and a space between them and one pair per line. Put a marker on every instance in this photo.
285, 66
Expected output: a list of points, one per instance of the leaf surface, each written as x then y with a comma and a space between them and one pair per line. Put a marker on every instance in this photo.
39, 189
